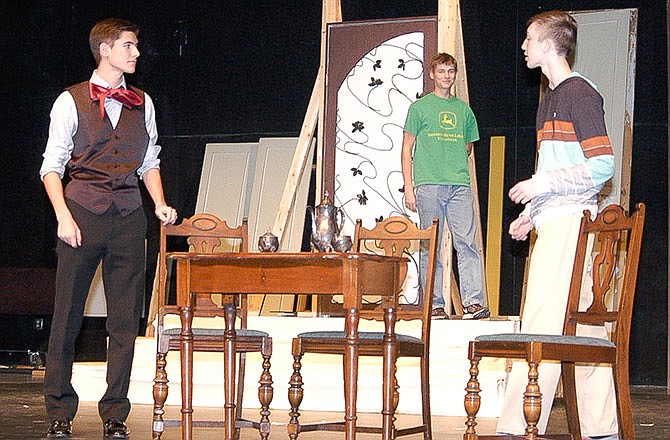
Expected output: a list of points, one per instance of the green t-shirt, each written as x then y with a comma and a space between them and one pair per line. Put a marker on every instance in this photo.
442, 128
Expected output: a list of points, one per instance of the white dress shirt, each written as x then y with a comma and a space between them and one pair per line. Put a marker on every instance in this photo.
64, 124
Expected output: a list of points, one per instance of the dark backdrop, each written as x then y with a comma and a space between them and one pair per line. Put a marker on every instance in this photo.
236, 70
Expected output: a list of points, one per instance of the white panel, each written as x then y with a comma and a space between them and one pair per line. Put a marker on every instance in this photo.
607, 57
224, 183
372, 104
272, 167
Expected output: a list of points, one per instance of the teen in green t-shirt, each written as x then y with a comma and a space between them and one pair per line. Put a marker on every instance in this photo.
437, 139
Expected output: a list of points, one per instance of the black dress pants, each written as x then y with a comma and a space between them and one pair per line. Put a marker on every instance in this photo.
117, 241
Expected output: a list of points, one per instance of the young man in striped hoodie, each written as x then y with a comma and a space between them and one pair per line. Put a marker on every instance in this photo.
575, 160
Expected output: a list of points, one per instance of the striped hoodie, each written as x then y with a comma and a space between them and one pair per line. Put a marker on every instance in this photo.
575, 157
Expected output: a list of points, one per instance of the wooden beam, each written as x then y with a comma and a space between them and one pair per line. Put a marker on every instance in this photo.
450, 40
448, 22
494, 230
667, 48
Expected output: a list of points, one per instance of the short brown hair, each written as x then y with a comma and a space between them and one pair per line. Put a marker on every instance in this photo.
108, 31
443, 58
558, 26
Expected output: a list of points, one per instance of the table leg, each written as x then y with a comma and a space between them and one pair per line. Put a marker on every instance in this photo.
351, 373
186, 352
229, 310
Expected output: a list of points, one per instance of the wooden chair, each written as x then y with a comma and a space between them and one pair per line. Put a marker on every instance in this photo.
205, 233
618, 238
393, 236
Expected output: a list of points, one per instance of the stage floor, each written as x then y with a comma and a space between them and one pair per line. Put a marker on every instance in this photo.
23, 417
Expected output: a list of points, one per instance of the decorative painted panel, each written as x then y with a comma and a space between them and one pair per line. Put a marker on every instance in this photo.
374, 72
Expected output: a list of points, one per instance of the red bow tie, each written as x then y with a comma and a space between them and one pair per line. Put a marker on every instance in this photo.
124, 96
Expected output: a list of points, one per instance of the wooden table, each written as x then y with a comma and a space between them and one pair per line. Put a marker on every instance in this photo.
349, 274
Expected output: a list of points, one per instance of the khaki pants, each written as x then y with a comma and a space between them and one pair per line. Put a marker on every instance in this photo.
549, 276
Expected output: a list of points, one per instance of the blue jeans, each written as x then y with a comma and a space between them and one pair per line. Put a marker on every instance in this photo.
455, 204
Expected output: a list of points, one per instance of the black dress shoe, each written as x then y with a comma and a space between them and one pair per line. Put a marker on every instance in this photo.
114, 428
60, 428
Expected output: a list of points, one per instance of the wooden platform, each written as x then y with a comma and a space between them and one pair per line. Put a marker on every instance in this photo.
322, 374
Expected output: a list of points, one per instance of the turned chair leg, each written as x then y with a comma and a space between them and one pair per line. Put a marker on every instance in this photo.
532, 402
295, 394
472, 401
160, 392
265, 397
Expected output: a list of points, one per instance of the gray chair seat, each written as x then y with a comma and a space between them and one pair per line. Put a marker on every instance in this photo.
556, 339
370, 336
217, 332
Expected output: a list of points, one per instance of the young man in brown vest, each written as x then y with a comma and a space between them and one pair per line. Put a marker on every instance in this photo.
104, 135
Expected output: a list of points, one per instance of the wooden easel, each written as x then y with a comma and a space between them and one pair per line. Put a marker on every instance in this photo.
449, 27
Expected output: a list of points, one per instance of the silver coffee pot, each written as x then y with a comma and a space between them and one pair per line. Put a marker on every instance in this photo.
327, 222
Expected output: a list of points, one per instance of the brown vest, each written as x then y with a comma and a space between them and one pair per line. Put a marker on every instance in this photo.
104, 162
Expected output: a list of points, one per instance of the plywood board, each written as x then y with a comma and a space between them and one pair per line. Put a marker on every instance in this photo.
272, 168
225, 183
